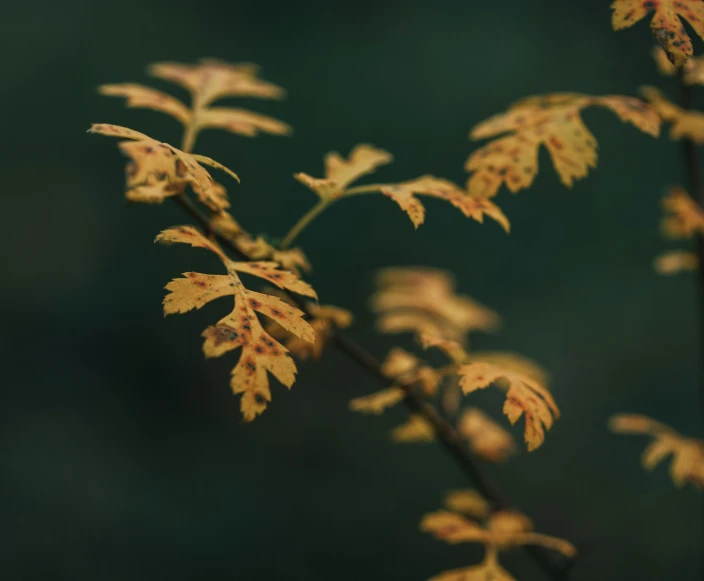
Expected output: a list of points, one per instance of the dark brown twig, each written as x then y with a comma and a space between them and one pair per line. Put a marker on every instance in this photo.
556, 568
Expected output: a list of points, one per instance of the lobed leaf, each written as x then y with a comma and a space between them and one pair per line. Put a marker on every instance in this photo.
687, 453
260, 352
525, 396
143, 97
665, 25
684, 124
552, 121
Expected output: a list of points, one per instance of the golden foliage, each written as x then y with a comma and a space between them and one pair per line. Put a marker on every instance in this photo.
405, 368
486, 438
158, 170
550, 120
260, 353
683, 216
498, 531
524, 382
665, 25
525, 396
423, 300
323, 318
687, 453
365, 159
416, 429
675, 261
208, 81
468, 502
684, 124
692, 70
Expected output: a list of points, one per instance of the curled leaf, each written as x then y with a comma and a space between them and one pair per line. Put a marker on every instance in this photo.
164, 169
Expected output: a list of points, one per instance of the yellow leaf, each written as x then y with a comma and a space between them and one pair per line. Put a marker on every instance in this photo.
213, 79
404, 194
416, 429
692, 70
260, 353
525, 396
468, 502
453, 528
340, 172
684, 124
423, 300
485, 571
687, 453
667, 28
675, 261
377, 402
324, 319
147, 98
165, 169
241, 121
487, 439
683, 216
550, 120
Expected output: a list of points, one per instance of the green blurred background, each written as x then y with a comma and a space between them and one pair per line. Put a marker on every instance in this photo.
123, 454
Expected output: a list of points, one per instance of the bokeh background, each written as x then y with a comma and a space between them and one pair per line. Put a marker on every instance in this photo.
123, 455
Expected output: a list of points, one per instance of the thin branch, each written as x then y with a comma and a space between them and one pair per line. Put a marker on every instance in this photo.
691, 160
557, 568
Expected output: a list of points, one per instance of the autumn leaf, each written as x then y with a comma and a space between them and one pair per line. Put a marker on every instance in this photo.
416, 430
364, 159
260, 353
683, 216
404, 194
164, 170
405, 368
468, 502
340, 172
552, 121
687, 453
692, 70
424, 300
684, 124
324, 319
487, 439
487, 570
665, 25
208, 81
214, 79
675, 261
525, 396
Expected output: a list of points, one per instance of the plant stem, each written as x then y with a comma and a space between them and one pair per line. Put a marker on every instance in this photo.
691, 160
316, 210
453, 442
306, 219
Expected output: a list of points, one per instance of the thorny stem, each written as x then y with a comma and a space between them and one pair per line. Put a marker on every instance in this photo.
316, 210
453, 442
691, 160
